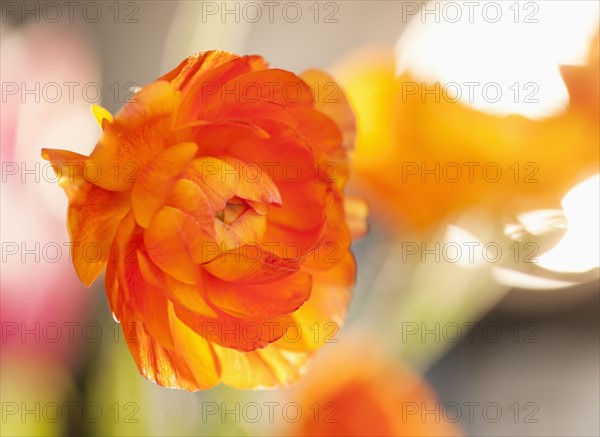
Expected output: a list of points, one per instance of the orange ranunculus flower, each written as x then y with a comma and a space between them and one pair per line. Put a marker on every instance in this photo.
215, 199
371, 397
422, 157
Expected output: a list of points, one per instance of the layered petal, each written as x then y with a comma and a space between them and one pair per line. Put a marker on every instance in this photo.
135, 136
243, 334
158, 178
93, 214
178, 243
264, 300
321, 317
331, 101
265, 368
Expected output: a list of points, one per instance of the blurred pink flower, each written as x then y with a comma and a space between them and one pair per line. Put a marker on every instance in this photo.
40, 292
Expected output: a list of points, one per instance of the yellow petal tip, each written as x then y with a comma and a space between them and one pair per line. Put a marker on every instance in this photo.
100, 114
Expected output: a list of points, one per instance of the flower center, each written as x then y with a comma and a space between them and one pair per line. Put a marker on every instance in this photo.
234, 208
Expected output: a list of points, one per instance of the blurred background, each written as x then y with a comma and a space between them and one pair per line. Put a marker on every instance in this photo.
476, 309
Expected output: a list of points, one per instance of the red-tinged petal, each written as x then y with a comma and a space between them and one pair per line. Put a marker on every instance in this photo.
144, 303
152, 307
157, 179
331, 100
192, 67
285, 156
256, 113
123, 250
135, 137
289, 161
185, 295
251, 264
135, 298
321, 131
290, 243
273, 85
217, 138
265, 300
177, 243
206, 86
335, 240
323, 134
111, 286
303, 209
300, 222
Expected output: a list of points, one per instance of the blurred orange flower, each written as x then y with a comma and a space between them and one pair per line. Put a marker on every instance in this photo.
371, 397
422, 155
215, 198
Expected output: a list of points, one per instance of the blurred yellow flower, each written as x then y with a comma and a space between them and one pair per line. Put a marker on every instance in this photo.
422, 155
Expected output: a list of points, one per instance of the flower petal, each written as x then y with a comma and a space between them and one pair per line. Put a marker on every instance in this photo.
136, 299
249, 228
177, 243
265, 368
145, 304
188, 72
321, 317
91, 224
157, 179
123, 250
134, 138
331, 100
251, 264
217, 179
265, 300
254, 184
190, 365
356, 211
273, 85
185, 295
205, 85
243, 334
